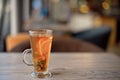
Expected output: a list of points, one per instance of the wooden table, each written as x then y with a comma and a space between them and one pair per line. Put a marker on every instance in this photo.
64, 66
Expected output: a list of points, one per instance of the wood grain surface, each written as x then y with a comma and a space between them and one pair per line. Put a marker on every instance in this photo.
64, 66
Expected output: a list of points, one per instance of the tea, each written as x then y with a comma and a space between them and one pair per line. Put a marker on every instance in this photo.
41, 46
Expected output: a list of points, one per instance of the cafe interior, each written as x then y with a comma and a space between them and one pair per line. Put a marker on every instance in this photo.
59, 39
78, 25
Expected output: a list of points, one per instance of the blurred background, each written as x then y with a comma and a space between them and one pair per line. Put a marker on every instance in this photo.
78, 25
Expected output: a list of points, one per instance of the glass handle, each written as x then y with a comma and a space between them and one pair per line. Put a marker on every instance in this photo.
25, 53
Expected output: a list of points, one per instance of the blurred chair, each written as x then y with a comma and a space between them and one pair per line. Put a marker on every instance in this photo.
118, 30
63, 44
12, 41
98, 36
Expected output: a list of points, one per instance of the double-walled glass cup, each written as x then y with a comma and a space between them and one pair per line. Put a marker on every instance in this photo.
40, 41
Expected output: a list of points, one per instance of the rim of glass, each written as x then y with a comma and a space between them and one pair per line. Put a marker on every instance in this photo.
38, 31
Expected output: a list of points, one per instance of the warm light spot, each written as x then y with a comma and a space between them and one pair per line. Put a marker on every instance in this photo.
105, 5
84, 9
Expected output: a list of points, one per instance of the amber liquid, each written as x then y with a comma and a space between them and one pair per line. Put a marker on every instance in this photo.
41, 46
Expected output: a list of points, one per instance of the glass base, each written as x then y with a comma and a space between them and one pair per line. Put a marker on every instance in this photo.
41, 74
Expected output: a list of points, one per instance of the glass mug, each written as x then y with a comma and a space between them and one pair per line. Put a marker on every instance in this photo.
40, 41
